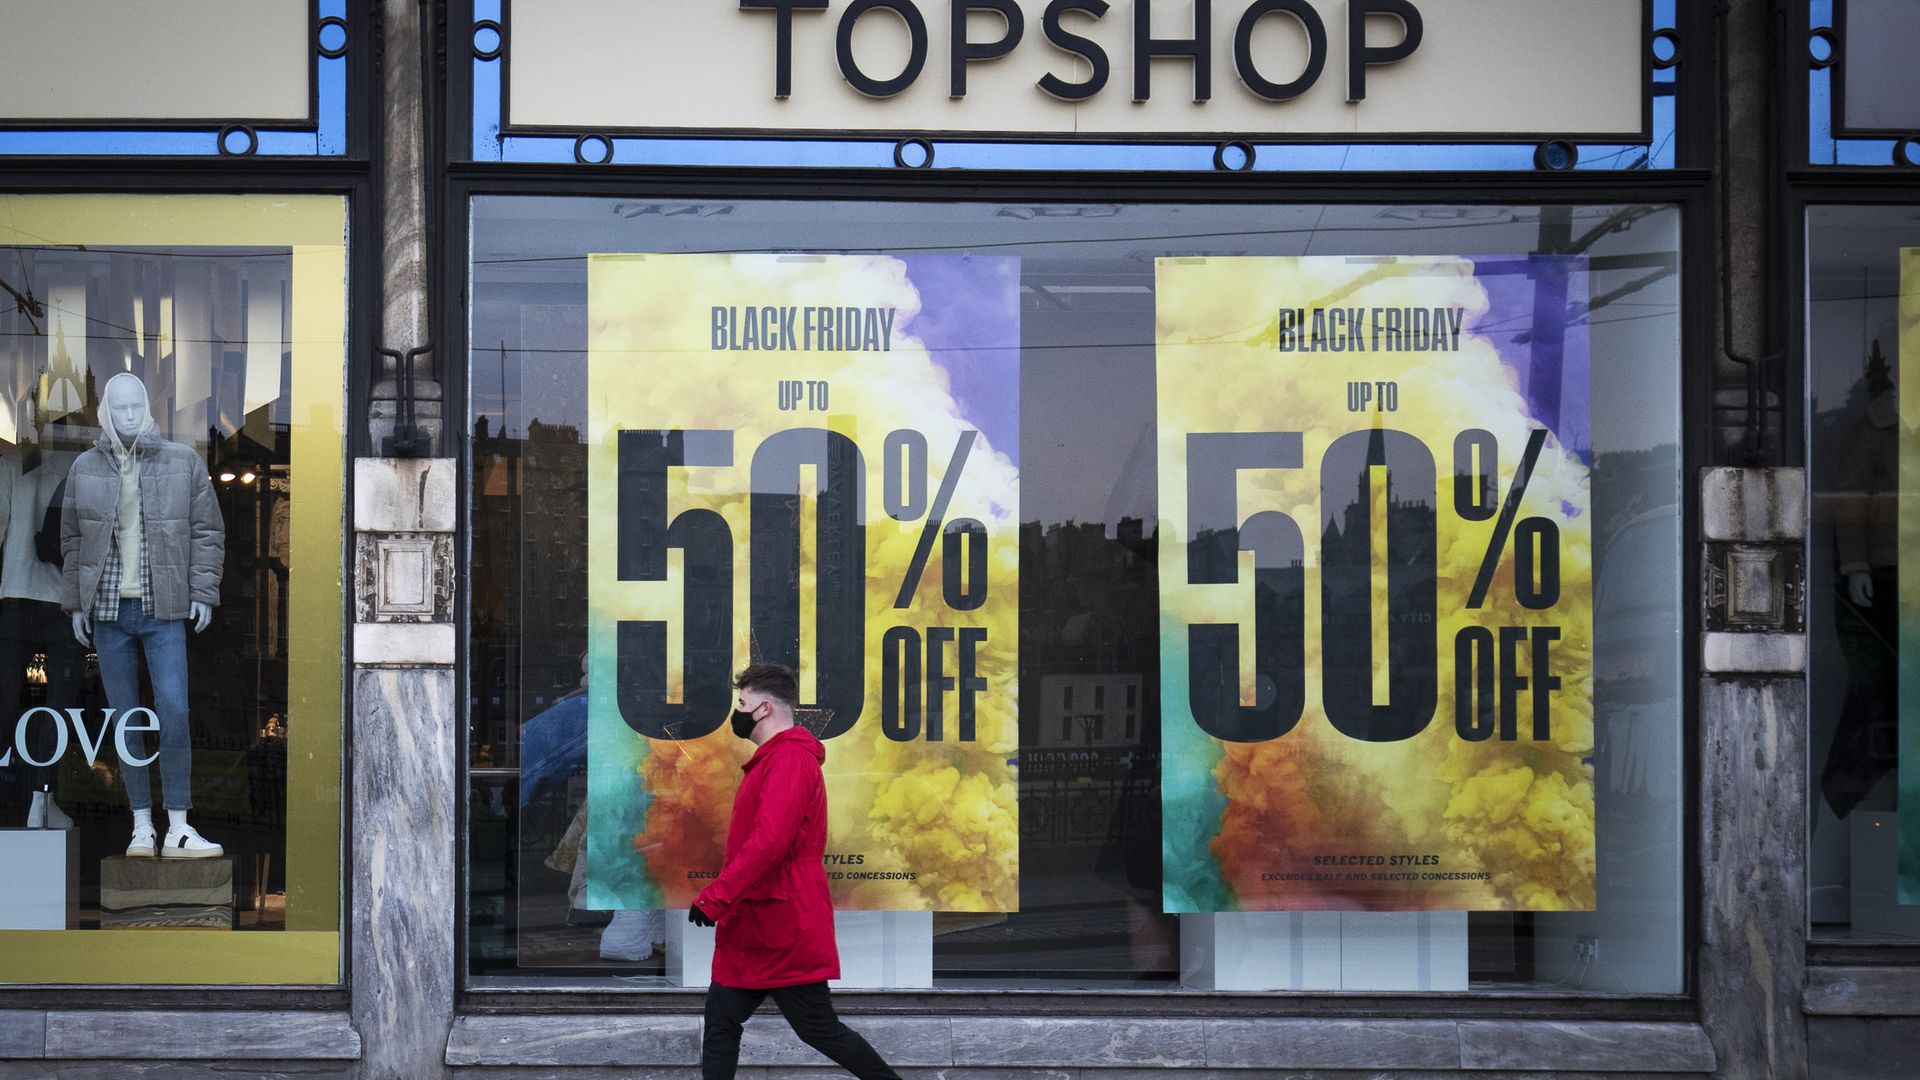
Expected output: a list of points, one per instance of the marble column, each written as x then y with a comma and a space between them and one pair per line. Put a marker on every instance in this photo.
405, 753
1753, 772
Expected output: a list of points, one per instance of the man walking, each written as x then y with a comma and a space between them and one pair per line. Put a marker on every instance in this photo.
770, 901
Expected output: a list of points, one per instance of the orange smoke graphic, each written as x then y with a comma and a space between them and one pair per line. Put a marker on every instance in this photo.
1283, 803
687, 823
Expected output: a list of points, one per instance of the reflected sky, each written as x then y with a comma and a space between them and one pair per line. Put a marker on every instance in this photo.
1087, 296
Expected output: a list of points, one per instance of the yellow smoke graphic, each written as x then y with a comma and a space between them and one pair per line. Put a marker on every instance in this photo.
944, 812
1521, 812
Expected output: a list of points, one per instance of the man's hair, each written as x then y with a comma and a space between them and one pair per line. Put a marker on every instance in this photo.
776, 681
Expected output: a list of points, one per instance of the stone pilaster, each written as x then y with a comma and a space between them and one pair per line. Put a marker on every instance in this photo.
405, 750
1753, 728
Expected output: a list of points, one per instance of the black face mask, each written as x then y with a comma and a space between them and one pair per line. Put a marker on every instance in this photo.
743, 723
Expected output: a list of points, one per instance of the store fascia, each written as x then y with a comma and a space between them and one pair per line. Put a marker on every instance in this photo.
785, 52
1367, 70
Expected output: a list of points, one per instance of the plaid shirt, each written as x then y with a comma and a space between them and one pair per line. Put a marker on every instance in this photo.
106, 602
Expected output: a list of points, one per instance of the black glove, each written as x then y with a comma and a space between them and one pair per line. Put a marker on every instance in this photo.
698, 917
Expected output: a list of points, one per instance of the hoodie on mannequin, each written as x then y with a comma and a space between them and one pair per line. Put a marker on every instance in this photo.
152, 501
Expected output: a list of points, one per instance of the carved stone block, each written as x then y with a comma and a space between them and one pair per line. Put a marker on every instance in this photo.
403, 577
1753, 504
1753, 588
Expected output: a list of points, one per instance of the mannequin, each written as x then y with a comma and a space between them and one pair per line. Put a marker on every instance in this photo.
30, 618
143, 547
1867, 549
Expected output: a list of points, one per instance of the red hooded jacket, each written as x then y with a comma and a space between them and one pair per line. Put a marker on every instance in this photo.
770, 901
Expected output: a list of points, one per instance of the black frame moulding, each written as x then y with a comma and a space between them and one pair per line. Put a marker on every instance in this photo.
1690, 191
352, 177
311, 122
1841, 129
1889, 188
1689, 187
465, 49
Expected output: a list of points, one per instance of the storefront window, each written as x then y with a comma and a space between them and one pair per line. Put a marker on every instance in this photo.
1220, 597
172, 375
1863, 333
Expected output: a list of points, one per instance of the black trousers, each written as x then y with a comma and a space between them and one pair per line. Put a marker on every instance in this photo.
808, 1009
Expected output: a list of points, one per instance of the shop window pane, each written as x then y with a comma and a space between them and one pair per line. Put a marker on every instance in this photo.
176, 364
1562, 824
1863, 315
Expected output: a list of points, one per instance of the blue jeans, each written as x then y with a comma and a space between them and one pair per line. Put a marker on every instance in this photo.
165, 646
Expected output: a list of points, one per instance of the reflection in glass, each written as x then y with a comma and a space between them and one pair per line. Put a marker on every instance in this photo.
1090, 754
197, 343
1862, 293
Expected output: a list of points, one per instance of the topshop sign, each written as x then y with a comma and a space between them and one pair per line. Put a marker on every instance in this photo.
1186, 69
1146, 46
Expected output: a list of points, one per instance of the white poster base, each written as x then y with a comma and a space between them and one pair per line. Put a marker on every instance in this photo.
689, 951
878, 949
39, 891
1324, 950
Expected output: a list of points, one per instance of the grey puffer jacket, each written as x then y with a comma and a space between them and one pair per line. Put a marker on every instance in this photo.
186, 538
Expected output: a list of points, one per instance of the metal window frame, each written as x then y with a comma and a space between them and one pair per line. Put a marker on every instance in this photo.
1688, 186
1842, 129
311, 122
1794, 30
1807, 191
361, 27
1802, 186
1691, 192
139, 178
508, 129
353, 176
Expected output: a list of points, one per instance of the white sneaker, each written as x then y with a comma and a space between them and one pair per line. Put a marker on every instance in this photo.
142, 846
184, 842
